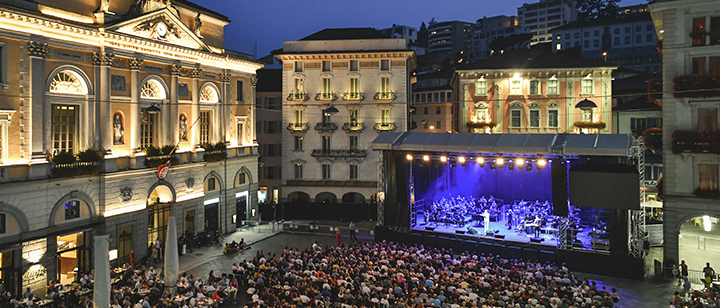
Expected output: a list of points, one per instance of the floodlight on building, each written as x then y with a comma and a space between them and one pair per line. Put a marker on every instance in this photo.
706, 223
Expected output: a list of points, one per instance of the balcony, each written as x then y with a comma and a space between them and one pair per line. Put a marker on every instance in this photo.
298, 127
385, 97
298, 97
695, 142
384, 127
325, 97
339, 153
696, 86
353, 96
353, 127
326, 127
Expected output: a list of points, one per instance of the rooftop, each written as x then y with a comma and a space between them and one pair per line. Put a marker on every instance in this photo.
634, 17
526, 59
345, 34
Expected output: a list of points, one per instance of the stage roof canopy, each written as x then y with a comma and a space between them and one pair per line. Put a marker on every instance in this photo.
567, 144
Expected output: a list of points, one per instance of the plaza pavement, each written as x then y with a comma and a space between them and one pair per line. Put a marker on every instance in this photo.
633, 293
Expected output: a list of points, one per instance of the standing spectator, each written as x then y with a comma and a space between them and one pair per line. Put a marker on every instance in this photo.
686, 285
353, 237
158, 246
339, 237
709, 271
683, 270
132, 258
28, 293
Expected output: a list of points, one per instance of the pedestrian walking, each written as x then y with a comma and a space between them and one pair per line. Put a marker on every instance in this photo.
709, 271
353, 237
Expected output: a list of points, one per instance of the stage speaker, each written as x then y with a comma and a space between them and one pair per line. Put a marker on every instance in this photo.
459, 231
430, 228
500, 236
558, 170
646, 245
536, 240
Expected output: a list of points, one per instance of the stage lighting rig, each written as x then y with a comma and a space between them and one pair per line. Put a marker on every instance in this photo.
492, 166
461, 160
500, 161
426, 157
409, 157
481, 162
541, 163
511, 164
443, 159
519, 162
528, 167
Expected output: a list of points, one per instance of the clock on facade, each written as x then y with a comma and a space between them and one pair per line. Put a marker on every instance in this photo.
161, 29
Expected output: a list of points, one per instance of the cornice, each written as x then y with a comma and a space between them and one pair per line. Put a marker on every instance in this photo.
55, 30
358, 55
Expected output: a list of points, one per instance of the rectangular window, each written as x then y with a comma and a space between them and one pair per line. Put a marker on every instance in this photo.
442, 96
205, 126
436, 97
553, 118
438, 110
534, 118
299, 88
326, 66
616, 41
638, 39
438, 125
211, 184
354, 87
480, 115
627, 29
325, 143
586, 44
699, 27
698, 66
480, 88
239, 91
3, 227
627, 40
385, 116
596, 43
587, 86
297, 143
385, 65
64, 119
353, 115
327, 86
354, 171
298, 66
298, 168
240, 132
353, 142
707, 119
425, 110
269, 172
385, 84
648, 38
714, 30
72, 209
515, 118
270, 150
708, 176
534, 87
516, 87
325, 171
298, 116
714, 66
552, 87
353, 65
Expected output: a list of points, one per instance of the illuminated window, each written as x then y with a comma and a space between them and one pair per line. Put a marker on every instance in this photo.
67, 82
558, 46
481, 114
327, 86
515, 87
298, 168
325, 171
208, 95
699, 27
385, 116
587, 86
708, 176
205, 122
299, 88
72, 209
64, 119
587, 115
353, 116
240, 135
480, 88
147, 129
354, 171
325, 143
707, 119
385, 84
552, 87
298, 116
354, 87
152, 89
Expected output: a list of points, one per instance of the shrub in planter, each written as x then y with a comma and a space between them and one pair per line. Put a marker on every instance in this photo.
67, 165
481, 124
595, 125
155, 156
214, 152
63, 158
707, 193
652, 137
90, 155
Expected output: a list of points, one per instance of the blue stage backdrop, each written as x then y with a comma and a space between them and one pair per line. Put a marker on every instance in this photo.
434, 181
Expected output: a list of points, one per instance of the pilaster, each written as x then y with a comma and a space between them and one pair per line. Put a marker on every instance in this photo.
195, 90
251, 111
38, 109
135, 115
174, 131
103, 60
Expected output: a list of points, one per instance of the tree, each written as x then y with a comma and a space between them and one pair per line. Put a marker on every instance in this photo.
422, 34
515, 41
597, 9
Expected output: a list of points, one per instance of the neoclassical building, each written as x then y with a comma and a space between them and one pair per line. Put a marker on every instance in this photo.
529, 92
342, 87
95, 94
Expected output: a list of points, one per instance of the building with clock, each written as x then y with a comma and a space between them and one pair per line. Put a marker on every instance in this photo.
114, 116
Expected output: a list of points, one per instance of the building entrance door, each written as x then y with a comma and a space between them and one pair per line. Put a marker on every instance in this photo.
211, 217
241, 206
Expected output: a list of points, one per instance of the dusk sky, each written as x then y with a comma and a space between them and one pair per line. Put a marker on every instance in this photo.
270, 22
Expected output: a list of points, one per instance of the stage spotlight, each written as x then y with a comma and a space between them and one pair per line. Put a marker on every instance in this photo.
453, 164
426, 158
409, 157
541, 163
520, 162
492, 166
481, 162
499, 161
443, 159
528, 168
461, 160
511, 165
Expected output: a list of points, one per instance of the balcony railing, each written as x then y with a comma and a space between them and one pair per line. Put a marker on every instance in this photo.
298, 127
326, 127
384, 127
696, 86
329, 96
353, 96
298, 97
353, 127
339, 153
388, 96
695, 142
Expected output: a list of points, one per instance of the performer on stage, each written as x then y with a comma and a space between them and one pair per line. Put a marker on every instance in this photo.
486, 221
509, 219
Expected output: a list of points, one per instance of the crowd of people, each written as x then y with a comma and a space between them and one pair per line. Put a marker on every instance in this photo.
396, 275
706, 296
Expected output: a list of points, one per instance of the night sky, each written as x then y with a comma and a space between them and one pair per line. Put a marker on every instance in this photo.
270, 22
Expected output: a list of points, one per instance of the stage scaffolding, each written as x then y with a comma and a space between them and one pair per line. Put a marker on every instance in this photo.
380, 195
638, 234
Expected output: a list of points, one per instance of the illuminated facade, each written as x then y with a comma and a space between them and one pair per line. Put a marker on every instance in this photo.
528, 92
113, 86
342, 87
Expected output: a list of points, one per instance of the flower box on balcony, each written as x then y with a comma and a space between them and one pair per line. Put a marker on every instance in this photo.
696, 86
590, 125
695, 142
652, 138
655, 90
481, 124
706, 193
155, 156
214, 152
68, 165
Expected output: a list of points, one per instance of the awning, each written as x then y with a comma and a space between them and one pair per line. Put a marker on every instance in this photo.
568, 144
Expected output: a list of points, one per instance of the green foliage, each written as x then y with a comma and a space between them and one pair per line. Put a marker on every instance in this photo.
422, 36
151, 151
515, 41
155, 156
597, 9
64, 158
90, 155
214, 152
67, 165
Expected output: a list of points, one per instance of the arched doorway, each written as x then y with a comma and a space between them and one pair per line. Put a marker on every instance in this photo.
353, 197
159, 206
326, 197
298, 197
699, 242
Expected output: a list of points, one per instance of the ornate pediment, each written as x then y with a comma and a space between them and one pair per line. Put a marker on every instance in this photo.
161, 25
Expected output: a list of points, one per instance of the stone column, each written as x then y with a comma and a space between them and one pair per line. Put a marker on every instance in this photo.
174, 131
195, 90
136, 116
40, 112
251, 111
104, 60
225, 105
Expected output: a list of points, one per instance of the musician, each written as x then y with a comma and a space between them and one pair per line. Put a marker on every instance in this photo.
537, 223
509, 219
486, 220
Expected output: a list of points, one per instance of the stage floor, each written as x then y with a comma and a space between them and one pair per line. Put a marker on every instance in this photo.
548, 236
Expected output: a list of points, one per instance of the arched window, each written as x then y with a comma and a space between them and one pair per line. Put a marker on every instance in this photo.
64, 116
68, 82
211, 184
208, 95
152, 89
481, 113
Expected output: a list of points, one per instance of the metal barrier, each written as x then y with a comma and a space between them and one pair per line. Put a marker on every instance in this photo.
314, 228
695, 276
262, 226
699, 242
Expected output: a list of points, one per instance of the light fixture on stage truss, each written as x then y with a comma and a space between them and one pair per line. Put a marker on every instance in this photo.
461, 160
499, 161
541, 163
443, 159
481, 162
426, 158
409, 157
511, 164
528, 167
519, 162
